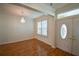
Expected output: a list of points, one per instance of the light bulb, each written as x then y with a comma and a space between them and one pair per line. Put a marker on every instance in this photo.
22, 20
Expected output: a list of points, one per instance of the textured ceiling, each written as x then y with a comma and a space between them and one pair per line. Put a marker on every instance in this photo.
36, 9
19, 10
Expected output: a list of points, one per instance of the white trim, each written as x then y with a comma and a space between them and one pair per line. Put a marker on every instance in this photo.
27, 38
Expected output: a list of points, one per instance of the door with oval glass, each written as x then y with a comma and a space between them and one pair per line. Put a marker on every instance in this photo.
64, 34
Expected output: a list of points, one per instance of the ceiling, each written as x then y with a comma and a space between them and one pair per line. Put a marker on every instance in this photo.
19, 10
45, 8
59, 5
35, 9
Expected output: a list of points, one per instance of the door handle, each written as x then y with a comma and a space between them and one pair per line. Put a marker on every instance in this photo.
71, 38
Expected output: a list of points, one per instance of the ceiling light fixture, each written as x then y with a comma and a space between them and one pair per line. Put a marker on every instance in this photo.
22, 18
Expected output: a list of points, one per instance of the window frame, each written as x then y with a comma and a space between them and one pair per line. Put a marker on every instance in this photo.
41, 28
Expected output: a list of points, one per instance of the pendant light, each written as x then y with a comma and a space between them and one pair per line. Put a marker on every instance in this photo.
22, 18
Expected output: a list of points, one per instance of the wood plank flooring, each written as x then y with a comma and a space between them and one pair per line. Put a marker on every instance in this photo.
32, 47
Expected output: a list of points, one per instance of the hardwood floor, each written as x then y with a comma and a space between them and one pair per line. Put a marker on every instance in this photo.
32, 47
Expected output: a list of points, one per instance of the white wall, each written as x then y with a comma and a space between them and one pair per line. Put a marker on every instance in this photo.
11, 30
50, 39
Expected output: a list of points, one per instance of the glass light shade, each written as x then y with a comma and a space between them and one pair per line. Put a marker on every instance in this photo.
22, 20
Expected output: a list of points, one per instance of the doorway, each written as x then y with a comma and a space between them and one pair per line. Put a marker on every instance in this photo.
70, 42
64, 34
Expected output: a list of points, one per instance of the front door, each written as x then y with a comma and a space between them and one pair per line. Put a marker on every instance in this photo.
64, 34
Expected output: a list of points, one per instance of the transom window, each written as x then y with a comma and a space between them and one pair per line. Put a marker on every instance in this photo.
42, 27
68, 13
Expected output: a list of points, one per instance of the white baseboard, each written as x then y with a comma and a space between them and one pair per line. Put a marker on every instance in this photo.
14, 41
26, 38
47, 43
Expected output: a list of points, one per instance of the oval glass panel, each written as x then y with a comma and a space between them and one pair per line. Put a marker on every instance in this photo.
63, 31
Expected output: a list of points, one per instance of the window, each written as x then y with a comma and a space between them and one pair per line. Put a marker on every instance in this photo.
39, 27
42, 27
63, 31
69, 13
